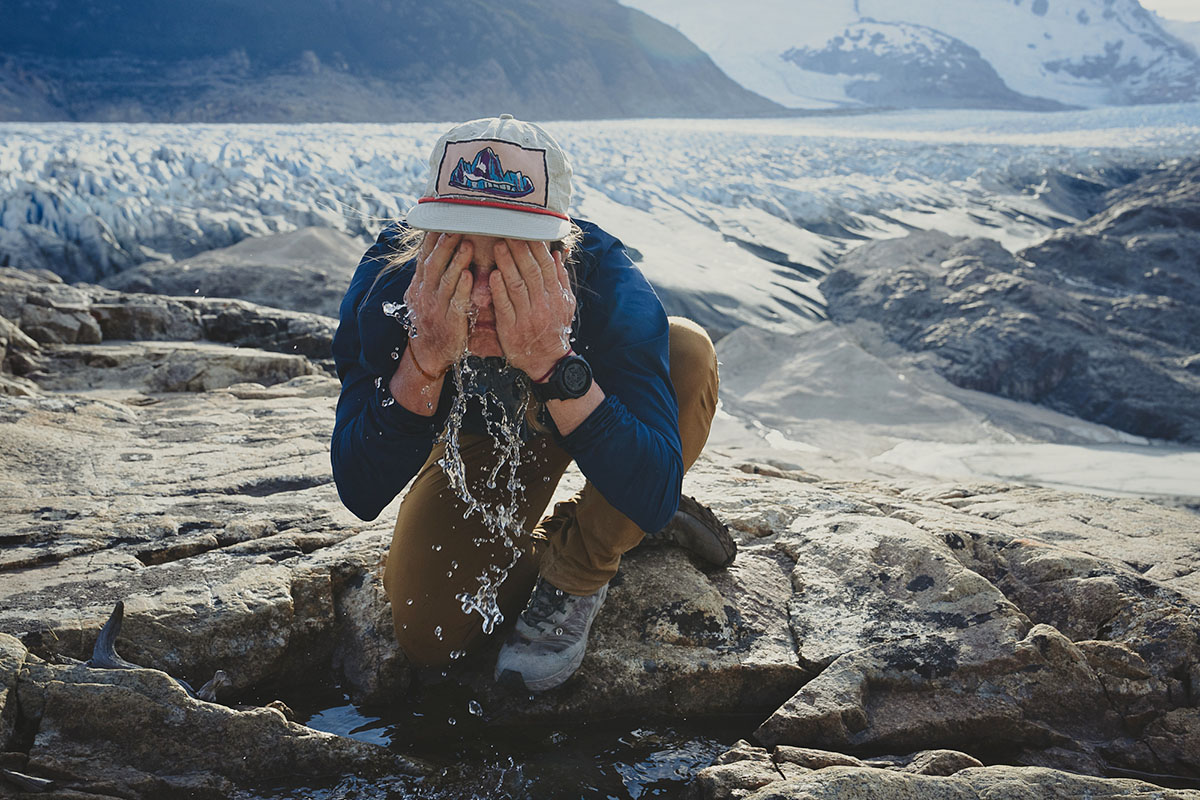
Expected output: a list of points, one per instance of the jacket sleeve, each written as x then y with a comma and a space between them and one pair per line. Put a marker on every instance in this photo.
629, 446
378, 445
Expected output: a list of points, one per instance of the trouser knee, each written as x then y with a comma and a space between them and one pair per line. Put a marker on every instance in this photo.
695, 378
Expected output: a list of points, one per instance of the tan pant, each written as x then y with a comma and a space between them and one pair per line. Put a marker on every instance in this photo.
434, 555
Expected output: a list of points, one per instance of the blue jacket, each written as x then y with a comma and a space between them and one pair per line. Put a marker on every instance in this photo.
628, 447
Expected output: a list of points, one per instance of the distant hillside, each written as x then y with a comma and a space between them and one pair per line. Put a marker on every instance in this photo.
942, 53
351, 60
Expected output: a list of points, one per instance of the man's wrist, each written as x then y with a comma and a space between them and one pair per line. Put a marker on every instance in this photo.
554, 366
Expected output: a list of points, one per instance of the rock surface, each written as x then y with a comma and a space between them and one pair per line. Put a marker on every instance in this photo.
1097, 321
961, 623
305, 270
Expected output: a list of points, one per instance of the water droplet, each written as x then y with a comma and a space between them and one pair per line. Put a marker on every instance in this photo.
475, 708
437, 547
438, 632
558, 631
409, 601
395, 355
452, 721
450, 574
453, 565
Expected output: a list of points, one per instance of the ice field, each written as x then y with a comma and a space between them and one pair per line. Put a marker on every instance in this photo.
734, 221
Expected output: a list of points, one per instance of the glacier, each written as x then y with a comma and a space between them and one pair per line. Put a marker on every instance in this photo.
770, 201
735, 222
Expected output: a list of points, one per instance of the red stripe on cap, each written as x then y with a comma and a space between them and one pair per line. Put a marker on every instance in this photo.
491, 204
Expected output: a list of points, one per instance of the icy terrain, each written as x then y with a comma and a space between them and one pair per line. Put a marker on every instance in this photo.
735, 222
1077, 52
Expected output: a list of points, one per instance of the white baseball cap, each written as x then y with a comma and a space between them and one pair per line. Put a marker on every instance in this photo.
497, 176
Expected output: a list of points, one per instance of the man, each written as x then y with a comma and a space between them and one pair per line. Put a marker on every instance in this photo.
543, 307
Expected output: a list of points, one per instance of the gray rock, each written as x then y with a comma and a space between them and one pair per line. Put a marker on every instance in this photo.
304, 270
863, 617
52, 312
980, 783
1096, 322
746, 771
137, 733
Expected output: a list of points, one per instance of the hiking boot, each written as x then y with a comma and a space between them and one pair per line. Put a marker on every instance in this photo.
548, 643
696, 529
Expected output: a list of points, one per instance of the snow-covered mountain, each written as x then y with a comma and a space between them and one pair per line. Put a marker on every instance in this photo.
1187, 31
836, 53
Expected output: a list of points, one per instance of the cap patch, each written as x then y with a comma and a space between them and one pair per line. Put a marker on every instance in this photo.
493, 168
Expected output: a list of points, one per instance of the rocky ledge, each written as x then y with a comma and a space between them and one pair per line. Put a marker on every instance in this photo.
895, 638
1098, 321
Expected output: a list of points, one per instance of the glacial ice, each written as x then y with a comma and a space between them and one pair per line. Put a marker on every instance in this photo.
734, 221
768, 202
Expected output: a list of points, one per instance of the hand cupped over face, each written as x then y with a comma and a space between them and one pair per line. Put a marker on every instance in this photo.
438, 301
533, 303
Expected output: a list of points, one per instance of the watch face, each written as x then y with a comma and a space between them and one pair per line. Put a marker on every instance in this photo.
576, 378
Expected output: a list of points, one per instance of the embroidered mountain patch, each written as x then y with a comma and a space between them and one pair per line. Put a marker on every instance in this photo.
487, 174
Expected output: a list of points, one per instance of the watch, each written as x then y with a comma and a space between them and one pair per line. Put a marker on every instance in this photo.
570, 378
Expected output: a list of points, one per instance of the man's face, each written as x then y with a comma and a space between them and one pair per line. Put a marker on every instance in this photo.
481, 338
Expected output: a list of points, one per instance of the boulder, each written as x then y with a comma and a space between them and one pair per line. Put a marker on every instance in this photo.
978, 783
960, 623
136, 733
1097, 321
304, 270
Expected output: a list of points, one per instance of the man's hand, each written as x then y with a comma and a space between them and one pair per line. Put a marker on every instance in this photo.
438, 301
534, 305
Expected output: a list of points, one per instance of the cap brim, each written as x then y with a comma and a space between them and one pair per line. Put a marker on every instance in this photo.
487, 221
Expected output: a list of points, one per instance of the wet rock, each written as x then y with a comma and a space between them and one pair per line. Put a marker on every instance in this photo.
137, 733
367, 656
738, 773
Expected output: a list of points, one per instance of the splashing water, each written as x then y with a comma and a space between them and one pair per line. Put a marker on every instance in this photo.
501, 518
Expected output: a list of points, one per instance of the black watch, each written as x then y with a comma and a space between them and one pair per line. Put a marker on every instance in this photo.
571, 378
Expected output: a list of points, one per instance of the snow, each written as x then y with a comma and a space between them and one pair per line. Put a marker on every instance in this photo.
735, 222
1029, 50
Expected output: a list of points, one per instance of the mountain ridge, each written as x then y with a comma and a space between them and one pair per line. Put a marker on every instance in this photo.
1068, 52
351, 60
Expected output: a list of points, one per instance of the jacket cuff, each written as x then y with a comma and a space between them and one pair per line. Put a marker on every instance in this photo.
396, 419
593, 429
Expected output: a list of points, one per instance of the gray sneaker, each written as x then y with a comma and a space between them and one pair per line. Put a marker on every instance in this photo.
696, 529
548, 643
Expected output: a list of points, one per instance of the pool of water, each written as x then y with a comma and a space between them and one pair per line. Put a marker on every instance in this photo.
483, 757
